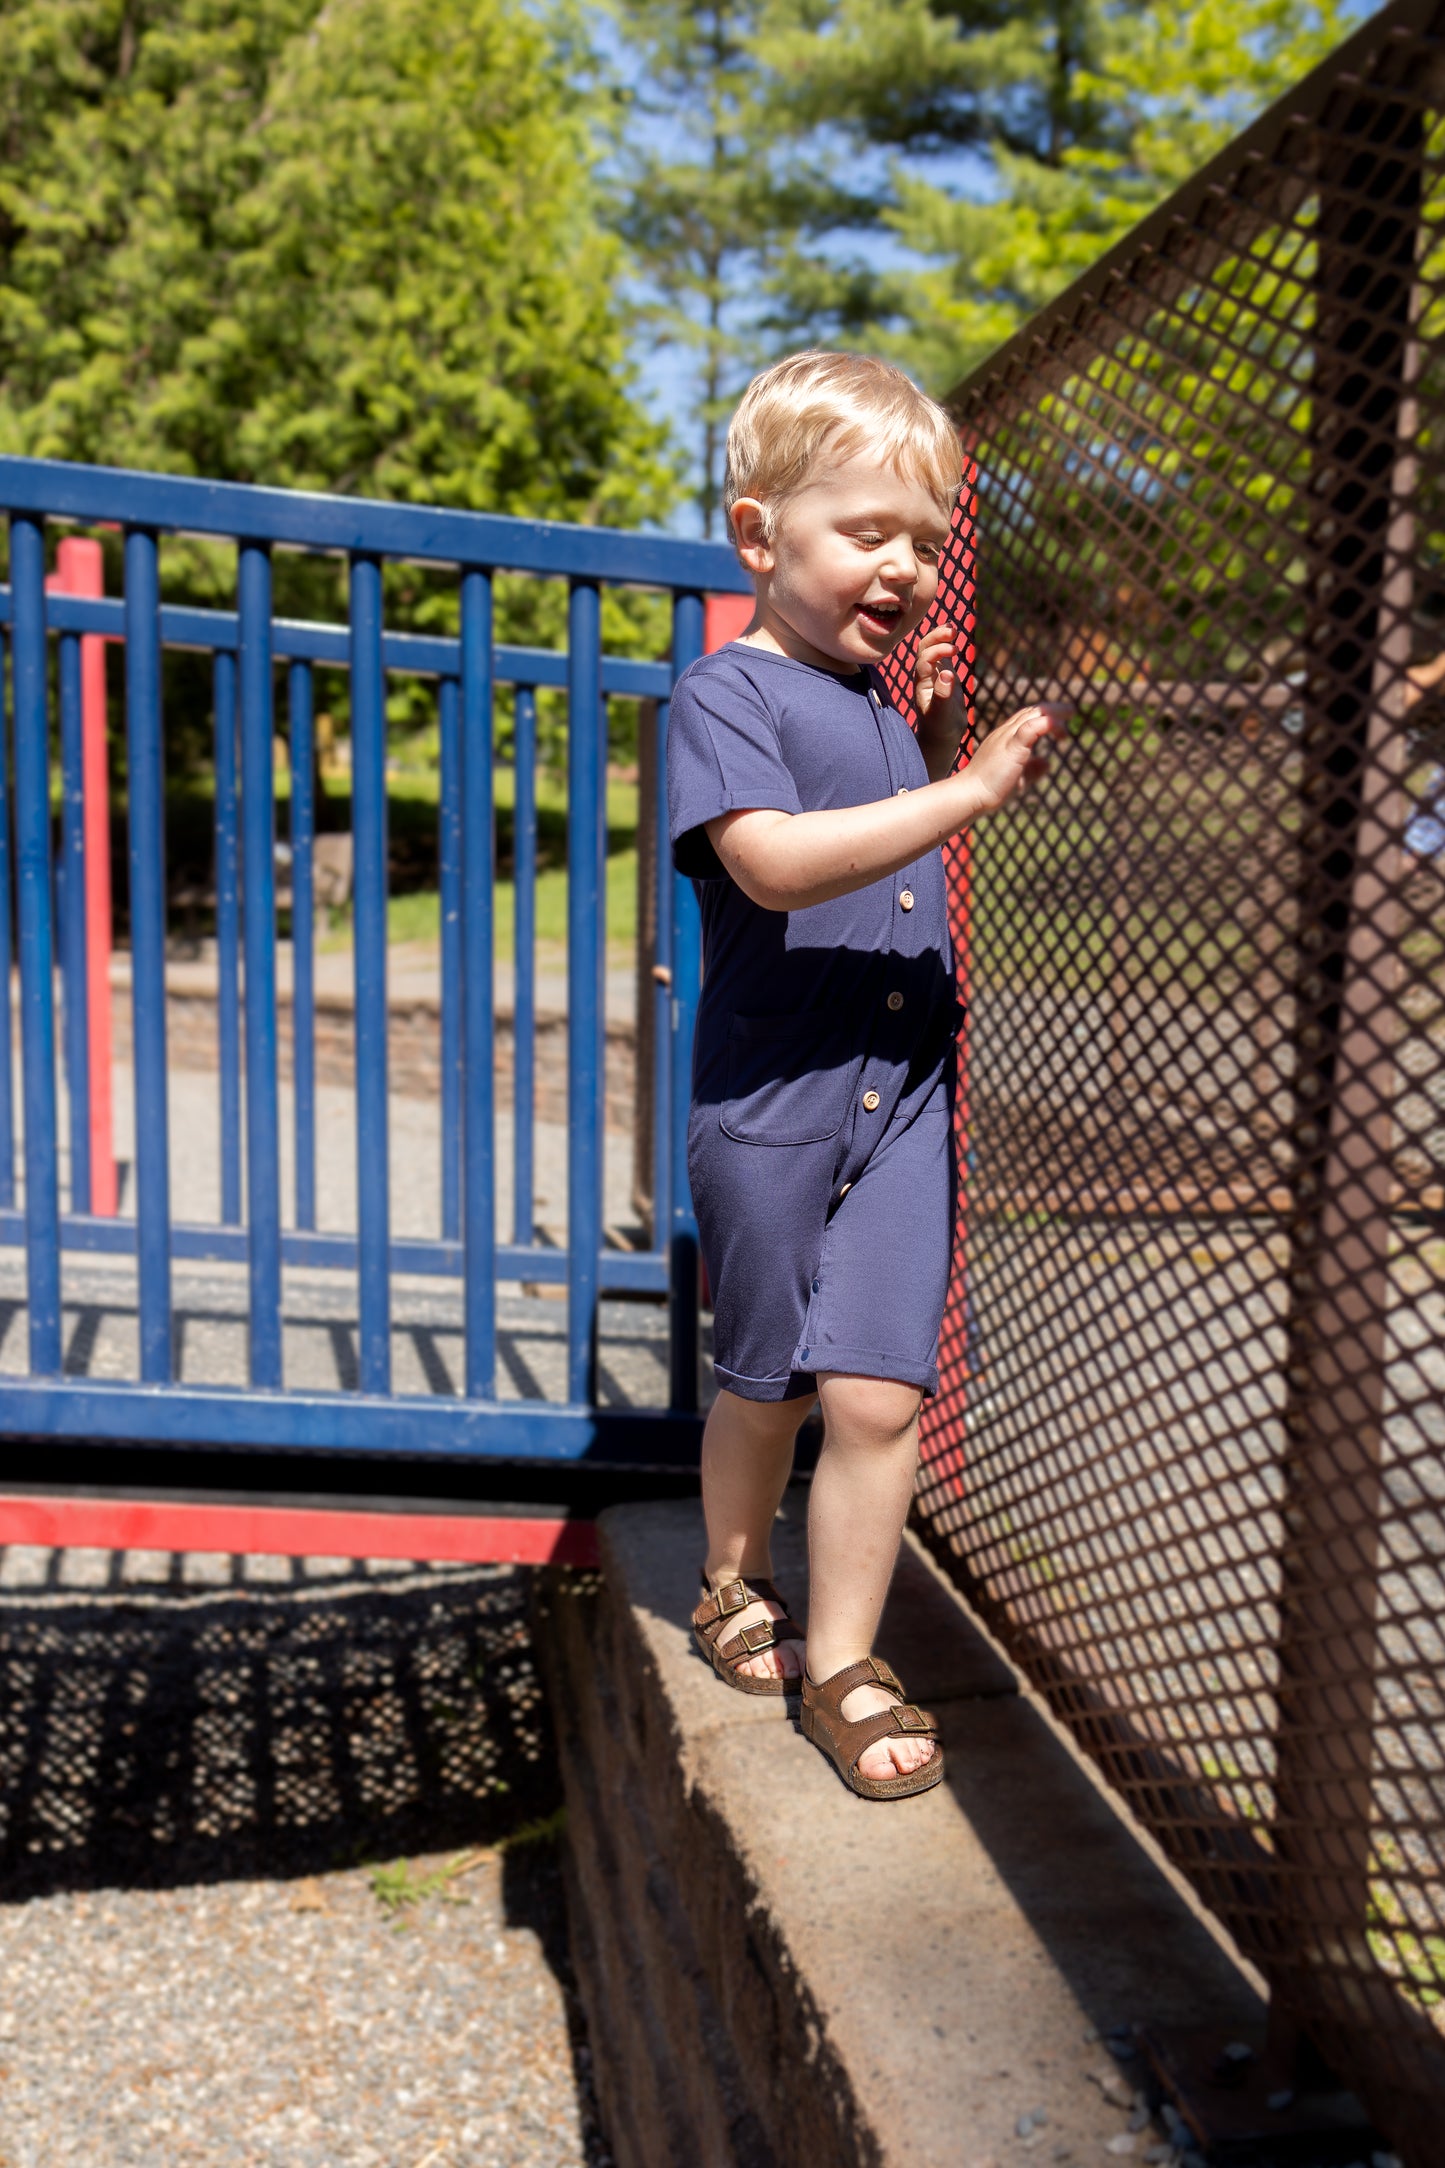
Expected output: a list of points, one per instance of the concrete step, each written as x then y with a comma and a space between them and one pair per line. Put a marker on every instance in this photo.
777, 1972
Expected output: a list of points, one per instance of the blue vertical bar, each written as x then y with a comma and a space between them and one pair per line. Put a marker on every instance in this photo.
300, 703
228, 935
72, 922
368, 821
661, 988
258, 903
687, 642
148, 950
449, 853
7, 1073
524, 998
479, 1205
37, 1017
586, 934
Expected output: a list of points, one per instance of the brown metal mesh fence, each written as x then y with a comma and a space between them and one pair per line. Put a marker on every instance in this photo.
1188, 1459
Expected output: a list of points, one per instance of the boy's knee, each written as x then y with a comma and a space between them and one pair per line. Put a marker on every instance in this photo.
767, 1418
884, 1408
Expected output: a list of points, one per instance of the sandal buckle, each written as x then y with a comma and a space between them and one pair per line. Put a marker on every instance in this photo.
732, 1596
909, 1717
756, 1638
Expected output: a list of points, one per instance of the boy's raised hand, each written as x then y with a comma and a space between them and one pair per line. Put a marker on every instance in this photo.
938, 698
937, 680
1015, 752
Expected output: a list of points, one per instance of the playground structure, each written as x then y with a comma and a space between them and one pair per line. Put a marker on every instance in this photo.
53, 633
1186, 1458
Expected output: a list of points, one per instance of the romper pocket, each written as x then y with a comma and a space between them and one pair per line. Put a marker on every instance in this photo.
789, 1081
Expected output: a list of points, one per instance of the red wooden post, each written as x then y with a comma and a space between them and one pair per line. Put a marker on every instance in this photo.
80, 570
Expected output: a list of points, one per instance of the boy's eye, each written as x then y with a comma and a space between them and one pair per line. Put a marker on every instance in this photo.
868, 541
930, 552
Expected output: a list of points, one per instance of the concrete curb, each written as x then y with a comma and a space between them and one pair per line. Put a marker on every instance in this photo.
776, 1972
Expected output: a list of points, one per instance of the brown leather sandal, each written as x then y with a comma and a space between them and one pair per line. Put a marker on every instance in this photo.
845, 1740
709, 1624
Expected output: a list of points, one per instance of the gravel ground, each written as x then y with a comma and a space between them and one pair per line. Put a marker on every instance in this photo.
278, 1870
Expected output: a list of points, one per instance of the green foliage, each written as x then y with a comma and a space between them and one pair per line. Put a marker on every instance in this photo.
351, 247
796, 131
719, 196
354, 247
1090, 111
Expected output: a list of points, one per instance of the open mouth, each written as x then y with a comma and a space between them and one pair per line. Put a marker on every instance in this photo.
880, 617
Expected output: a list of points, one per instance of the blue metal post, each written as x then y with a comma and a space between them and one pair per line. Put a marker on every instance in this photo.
449, 853
479, 1204
7, 1088
524, 998
369, 888
72, 922
687, 644
228, 935
148, 950
258, 899
37, 1019
586, 938
299, 701
661, 989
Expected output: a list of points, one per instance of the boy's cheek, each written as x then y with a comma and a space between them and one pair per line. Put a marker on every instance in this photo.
920, 606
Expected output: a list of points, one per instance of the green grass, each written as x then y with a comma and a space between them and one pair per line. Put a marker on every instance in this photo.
414, 915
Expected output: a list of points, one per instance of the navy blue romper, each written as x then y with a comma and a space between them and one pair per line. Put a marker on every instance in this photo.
820, 1142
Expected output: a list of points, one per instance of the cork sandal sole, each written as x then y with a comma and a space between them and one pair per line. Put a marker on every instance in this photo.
845, 1740
709, 1627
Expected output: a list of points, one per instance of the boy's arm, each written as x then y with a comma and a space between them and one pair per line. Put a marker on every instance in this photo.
787, 861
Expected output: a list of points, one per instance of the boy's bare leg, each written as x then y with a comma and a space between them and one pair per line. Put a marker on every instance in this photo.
859, 1502
747, 1457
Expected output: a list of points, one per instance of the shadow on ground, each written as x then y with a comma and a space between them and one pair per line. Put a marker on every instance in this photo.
163, 1735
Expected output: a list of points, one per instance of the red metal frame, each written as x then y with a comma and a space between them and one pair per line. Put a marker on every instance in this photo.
163, 1524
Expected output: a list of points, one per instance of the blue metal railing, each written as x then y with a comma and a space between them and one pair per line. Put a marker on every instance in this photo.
250, 649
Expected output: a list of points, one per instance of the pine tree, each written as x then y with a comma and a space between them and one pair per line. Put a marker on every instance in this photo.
1081, 115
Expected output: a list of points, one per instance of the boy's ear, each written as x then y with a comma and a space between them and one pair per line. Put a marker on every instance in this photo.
750, 536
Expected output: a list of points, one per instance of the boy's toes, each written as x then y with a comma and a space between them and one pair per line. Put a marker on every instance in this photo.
781, 1662
894, 1758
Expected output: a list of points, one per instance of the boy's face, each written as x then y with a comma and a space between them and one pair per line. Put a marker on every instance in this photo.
852, 564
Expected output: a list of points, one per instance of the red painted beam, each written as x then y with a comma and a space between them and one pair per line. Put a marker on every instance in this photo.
150, 1524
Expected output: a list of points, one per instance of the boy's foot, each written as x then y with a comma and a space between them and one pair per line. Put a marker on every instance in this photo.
882, 1744
784, 1660
897, 1755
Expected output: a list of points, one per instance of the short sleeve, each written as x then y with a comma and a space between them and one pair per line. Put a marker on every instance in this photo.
722, 756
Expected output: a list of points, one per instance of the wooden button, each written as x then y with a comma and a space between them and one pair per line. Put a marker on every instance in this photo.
906, 899
902, 791
895, 1001
870, 1102
844, 1190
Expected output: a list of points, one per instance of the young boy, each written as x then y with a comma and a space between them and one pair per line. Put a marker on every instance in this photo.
820, 1142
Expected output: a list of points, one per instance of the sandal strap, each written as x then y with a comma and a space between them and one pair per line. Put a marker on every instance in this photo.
830, 1694
854, 1739
719, 1605
752, 1640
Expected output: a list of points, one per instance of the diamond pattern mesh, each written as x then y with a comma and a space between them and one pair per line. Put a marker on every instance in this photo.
1188, 1455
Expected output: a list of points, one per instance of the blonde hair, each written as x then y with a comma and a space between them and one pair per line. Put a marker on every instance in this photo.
815, 403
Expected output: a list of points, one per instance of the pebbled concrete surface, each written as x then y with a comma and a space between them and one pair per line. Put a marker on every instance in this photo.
213, 1772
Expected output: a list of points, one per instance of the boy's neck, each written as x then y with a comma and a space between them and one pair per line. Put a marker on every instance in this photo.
775, 636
